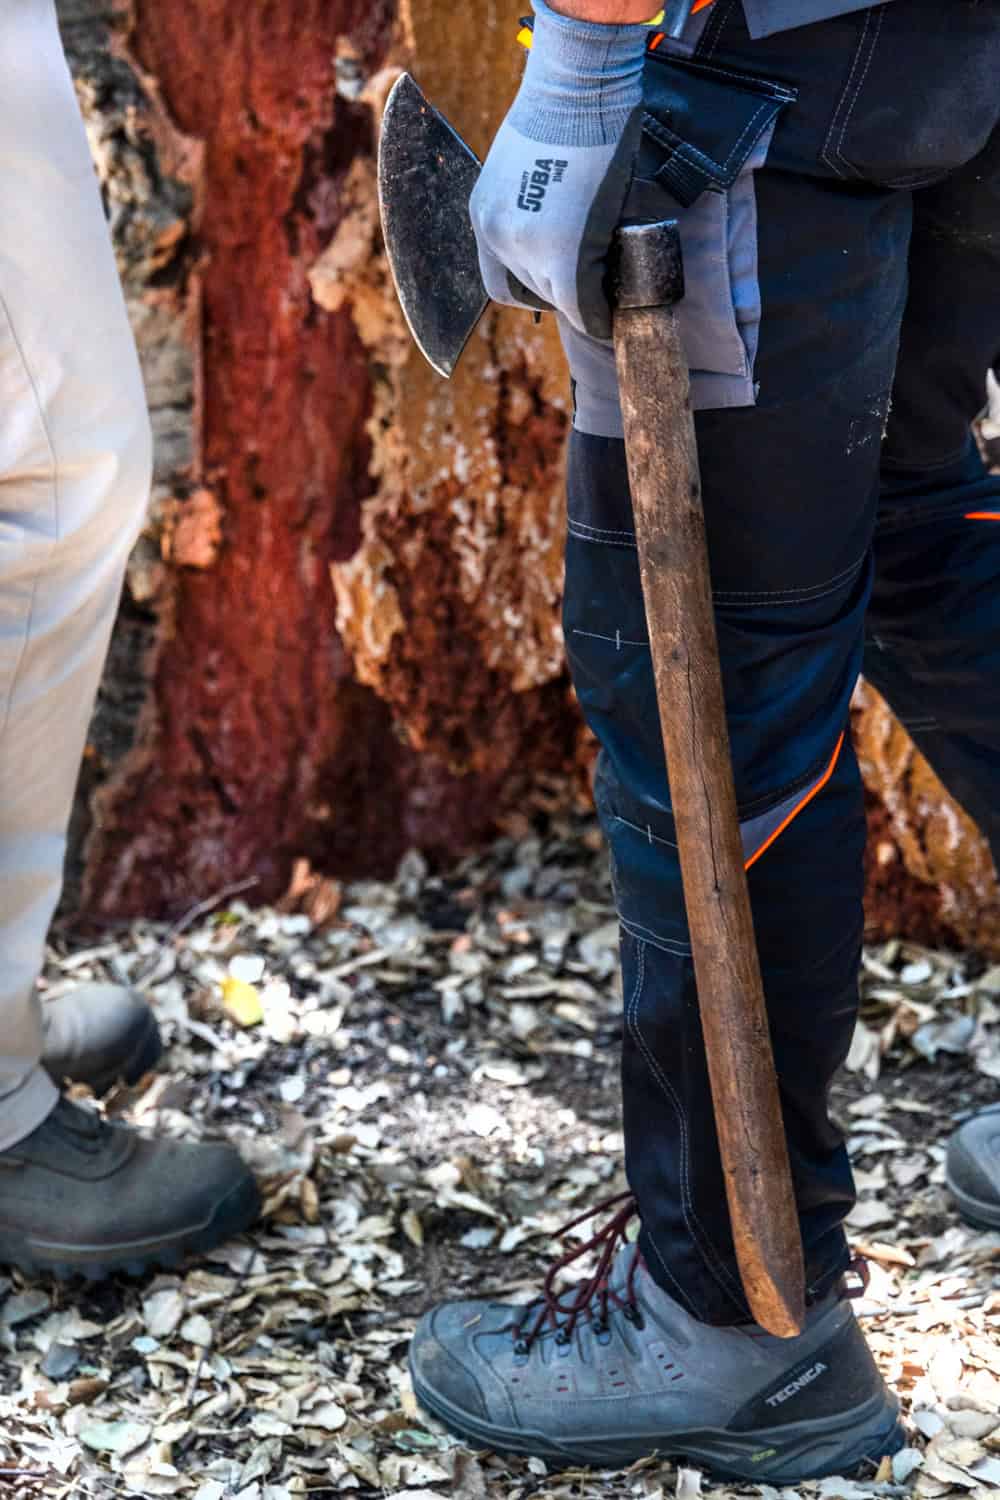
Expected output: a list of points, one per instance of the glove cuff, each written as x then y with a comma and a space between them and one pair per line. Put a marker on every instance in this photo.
582, 81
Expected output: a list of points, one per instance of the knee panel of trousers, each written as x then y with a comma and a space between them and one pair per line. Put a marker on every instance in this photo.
788, 668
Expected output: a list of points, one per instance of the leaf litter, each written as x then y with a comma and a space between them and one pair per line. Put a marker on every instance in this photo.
424, 1074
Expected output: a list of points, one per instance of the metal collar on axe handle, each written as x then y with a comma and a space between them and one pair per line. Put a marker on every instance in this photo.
426, 177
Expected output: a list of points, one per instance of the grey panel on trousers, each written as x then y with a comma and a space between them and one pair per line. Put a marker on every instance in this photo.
719, 315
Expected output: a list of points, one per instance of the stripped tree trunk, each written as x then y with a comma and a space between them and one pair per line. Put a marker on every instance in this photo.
341, 632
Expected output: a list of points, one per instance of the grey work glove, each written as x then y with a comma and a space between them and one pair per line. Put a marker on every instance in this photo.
554, 185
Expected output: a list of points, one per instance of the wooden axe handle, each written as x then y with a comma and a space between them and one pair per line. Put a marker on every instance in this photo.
673, 559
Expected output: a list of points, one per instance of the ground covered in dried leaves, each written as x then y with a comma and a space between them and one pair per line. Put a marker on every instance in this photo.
424, 1074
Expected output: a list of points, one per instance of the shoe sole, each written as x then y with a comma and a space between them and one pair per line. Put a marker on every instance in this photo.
983, 1215
783, 1455
231, 1216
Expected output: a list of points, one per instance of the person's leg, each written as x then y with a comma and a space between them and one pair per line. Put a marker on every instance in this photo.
790, 487
934, 625
74, 483
74, 478
796, 262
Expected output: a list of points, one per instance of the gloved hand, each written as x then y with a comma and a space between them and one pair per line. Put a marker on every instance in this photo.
554, 185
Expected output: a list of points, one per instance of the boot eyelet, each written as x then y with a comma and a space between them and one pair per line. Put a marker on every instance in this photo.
635, 1317
521, 1348
563, 1339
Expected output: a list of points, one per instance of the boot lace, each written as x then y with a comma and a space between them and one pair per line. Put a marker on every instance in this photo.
560, 1311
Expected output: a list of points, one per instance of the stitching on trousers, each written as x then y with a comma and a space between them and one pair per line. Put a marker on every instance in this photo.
585, 533
719, 171
804, 594
828, 143
786, 95
750, 602
647, 833
617, 640
768, 800
647, 935
720, 26
861, 82
701, 1239
30, 617
633, 1005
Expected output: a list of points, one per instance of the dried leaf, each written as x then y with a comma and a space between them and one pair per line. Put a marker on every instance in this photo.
868, 1213
242, 1002
114, 1437
197, 1330
23, 1306
162, 1312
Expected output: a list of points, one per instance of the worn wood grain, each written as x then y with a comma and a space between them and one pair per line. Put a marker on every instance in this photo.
673, 557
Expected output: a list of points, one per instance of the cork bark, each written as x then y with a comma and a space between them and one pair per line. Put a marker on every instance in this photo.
930, 874
340, 636
351, 576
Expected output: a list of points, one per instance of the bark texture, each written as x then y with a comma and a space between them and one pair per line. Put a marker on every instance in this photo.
340, 636
930, 872
282, 721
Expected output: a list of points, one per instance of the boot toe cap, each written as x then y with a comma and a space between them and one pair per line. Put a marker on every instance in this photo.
439, 1359
99, 1033
973, 1164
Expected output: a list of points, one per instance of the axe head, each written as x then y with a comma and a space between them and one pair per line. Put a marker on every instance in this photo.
426, 175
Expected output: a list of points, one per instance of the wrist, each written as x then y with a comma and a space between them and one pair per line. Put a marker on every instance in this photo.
605, 12
583, 79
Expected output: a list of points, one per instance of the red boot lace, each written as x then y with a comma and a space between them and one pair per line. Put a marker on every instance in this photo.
561, 1311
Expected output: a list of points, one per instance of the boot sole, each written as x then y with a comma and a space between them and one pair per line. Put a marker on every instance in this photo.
783, 1455
231, 1216
983, 1215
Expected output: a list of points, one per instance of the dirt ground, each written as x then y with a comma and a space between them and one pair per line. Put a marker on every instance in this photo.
424, 1074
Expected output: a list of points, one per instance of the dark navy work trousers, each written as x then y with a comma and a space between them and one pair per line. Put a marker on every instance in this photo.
839, 186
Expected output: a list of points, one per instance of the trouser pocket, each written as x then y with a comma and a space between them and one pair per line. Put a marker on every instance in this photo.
707, 131
920, 94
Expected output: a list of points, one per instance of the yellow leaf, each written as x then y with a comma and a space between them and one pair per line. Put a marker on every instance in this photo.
242, 1001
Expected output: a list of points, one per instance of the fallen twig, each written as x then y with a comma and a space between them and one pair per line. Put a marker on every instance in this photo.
200, 909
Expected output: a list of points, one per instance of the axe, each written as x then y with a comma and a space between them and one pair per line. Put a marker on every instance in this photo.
426, 177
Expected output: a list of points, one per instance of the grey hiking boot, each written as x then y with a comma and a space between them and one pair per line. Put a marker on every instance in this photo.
614, 1369
80, 1195
99, 1034
973, 1168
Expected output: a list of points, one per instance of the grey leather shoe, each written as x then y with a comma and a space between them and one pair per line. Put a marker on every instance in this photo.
81, 1196
99, 1034
973, 1168
614, 1370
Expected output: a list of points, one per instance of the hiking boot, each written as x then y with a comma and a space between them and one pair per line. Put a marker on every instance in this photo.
615, 1369
81, 1195
98, 1034
973, 1168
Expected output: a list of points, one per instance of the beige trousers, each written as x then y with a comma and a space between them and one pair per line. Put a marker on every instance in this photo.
74, 481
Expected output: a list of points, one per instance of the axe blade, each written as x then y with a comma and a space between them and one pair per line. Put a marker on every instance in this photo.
426, 175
